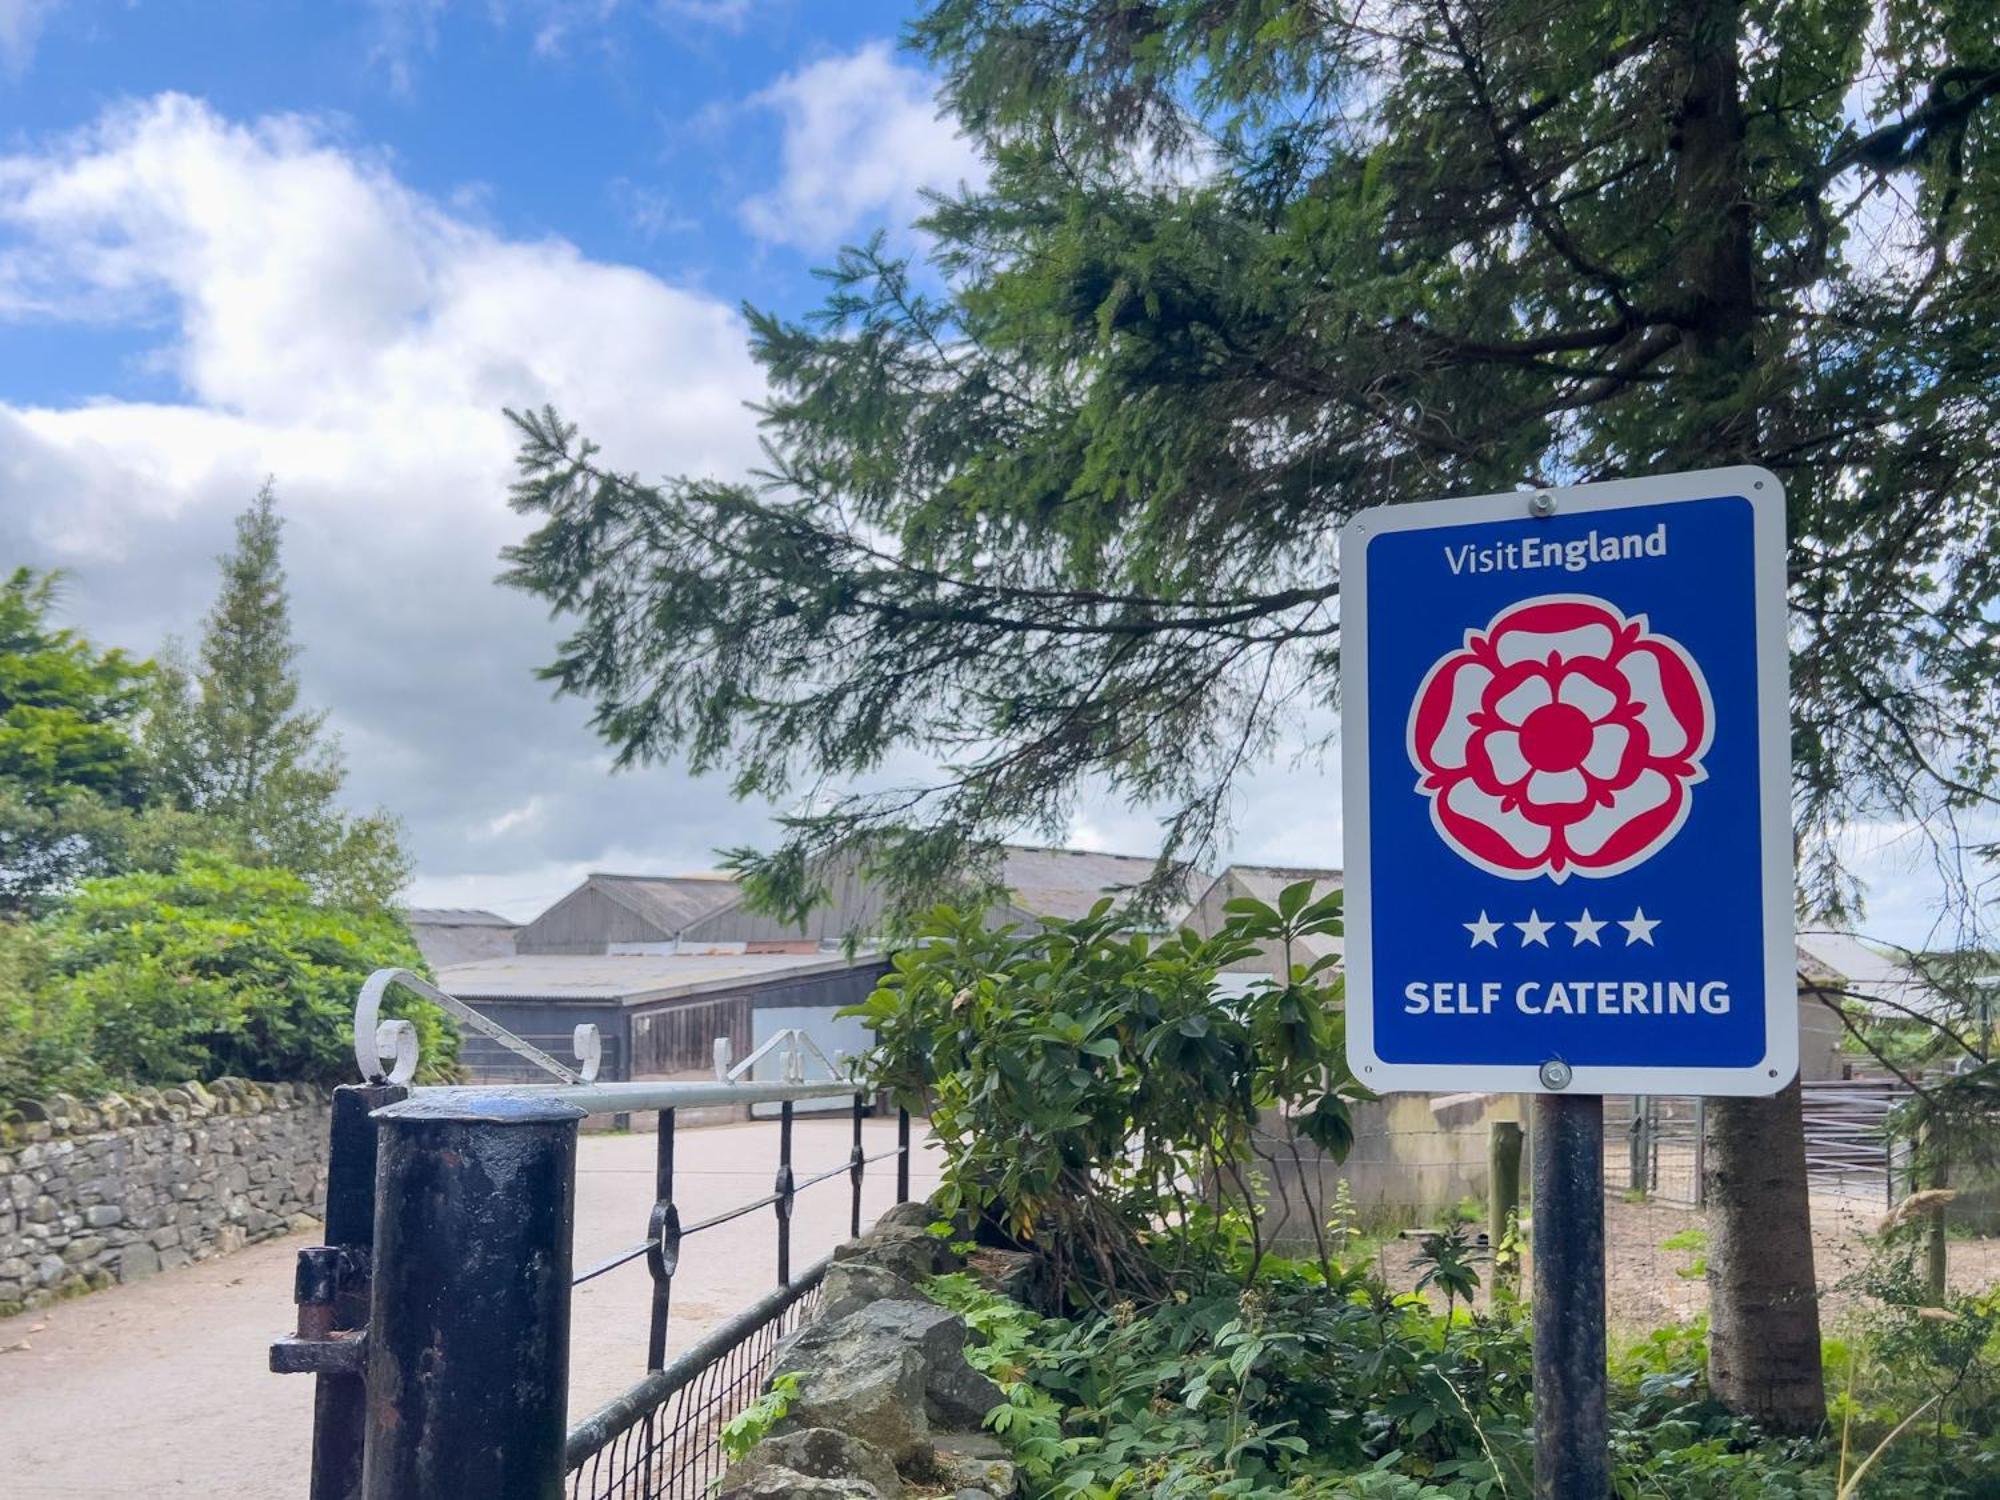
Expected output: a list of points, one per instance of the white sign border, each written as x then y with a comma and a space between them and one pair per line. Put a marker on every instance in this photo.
1780, 1064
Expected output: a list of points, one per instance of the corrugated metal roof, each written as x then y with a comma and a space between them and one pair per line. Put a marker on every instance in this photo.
626, 978
454, 916
1063, 884
669, 902
1888, 987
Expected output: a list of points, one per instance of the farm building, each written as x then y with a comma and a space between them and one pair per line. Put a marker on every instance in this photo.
459, 934
658, 1015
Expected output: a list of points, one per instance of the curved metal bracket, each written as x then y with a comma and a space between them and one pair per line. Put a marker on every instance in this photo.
376, 1040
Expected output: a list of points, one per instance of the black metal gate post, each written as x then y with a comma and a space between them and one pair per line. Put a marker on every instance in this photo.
468, 1329
1572, 1439
331, 1290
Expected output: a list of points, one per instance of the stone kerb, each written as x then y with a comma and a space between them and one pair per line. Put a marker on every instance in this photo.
887, 1404
110, 1189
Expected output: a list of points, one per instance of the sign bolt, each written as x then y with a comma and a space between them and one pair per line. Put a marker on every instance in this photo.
1556, 1074
1543, 504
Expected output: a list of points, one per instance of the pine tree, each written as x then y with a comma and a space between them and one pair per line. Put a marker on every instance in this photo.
1062, 504
230, 742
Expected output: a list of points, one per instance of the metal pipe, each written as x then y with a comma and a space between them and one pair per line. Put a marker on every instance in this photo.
1572, 1443
614, 1098
468, 1332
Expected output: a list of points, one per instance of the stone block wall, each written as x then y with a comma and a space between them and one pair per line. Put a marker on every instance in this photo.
113, 1189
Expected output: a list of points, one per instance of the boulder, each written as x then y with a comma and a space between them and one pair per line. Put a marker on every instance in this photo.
851, 1285
867, 1385
952, 1393
784, 1484
905, 1252
911, 1215
817, 1453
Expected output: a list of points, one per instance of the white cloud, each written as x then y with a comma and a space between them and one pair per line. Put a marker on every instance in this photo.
862, 140
356, 340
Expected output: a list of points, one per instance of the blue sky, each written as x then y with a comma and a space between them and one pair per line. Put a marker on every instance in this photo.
327, 242
634, 131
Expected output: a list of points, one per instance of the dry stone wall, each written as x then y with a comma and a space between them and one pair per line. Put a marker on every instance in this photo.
118, 1188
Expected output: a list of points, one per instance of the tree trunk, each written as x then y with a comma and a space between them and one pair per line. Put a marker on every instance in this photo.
1763, 1330
1764, 1352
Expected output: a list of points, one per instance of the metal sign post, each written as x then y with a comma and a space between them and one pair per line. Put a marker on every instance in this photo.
1566, 752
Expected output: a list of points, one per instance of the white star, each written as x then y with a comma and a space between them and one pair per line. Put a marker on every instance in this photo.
1586, 929
1534, 930
1640, 928
1482, 931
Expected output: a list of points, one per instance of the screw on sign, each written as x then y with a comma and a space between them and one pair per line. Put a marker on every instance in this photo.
1568, 848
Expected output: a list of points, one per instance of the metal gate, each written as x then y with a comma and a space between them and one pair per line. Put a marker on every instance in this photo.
436, 1315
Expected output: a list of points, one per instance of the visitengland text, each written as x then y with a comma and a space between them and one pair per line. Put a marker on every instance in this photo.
1572, 556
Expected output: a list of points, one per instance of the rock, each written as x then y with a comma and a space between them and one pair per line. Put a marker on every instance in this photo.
908, 1253
783, 1484
136, 1261
954, 1395
1009, 1273
911, 1215
851, 1285
818, 1453
976, 1464
869, 1386
103, 1216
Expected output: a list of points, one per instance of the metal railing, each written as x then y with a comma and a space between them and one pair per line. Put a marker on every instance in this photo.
1655, 1144
436, 1316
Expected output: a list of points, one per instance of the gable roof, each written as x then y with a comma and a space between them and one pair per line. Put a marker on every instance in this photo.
668, 902
1063, 884
1885, 985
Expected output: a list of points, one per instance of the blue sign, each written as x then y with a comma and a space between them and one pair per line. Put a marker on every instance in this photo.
1566, 767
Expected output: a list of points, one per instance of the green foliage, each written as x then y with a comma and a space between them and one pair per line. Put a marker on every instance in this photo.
1304, 1387
1081, 1077
1695, 1240
232, 744
211, 969
753, 1424
1059, 507
74, 785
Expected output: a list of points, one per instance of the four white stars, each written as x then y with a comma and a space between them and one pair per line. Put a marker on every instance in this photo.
1585, 929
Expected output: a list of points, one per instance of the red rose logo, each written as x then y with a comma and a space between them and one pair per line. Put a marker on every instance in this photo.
1564, 738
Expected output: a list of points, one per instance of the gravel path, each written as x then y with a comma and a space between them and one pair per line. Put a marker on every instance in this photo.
160, 1388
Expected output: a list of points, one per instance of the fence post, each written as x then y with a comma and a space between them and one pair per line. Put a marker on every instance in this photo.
1936, 1247
1572, 1442
1700, 1152
331, 1290
783, 1193
902, 1156
857, 1163
1503, 1181
468, 1329
1638, 1178
663, 1248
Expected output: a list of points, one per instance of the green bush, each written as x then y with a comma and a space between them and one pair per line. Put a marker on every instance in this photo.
1089, 1085
1300, 1387
213, 969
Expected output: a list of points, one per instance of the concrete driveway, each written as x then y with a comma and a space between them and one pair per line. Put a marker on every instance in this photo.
161, 1388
